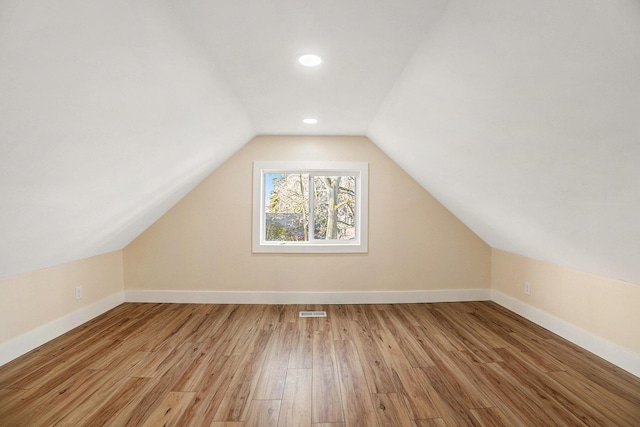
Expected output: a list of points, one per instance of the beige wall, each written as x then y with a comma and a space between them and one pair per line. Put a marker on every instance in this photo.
605, 307
204, 242
34, 299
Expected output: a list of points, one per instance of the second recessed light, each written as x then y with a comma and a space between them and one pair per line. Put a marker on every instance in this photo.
310, 60
310, 121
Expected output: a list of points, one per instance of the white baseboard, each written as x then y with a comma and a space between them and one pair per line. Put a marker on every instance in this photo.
619, 356
26, 342
376, 297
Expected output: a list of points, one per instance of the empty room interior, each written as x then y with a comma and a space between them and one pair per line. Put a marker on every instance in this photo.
338, 213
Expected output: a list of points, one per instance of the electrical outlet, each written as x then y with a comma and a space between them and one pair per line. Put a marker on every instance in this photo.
527, 288
78, 292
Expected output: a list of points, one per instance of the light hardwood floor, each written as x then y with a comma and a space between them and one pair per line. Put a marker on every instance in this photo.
413, 365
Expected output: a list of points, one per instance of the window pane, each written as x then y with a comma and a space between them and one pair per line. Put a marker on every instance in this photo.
286, 207
310, 207
334, 210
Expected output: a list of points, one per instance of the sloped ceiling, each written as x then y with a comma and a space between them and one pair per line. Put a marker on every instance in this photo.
108, 115
522, 117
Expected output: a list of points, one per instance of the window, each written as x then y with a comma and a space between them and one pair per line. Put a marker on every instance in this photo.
310, 207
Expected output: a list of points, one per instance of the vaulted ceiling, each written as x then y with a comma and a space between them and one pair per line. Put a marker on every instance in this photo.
521, 117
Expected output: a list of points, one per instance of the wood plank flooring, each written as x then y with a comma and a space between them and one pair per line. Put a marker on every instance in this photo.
405, 365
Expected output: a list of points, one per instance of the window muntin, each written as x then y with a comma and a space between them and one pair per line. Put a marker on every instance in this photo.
310, 207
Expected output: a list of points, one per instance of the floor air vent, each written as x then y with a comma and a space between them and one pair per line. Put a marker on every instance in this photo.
313, 314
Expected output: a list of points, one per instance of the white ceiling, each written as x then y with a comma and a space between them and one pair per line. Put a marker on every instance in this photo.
522, 117
365, 45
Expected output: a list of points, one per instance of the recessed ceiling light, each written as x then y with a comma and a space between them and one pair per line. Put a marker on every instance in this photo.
310, 121
310, 60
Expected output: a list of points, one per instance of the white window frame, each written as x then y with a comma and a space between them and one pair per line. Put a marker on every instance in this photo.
358, 169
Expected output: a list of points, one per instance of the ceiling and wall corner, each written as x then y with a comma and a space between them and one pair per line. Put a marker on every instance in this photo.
520, 117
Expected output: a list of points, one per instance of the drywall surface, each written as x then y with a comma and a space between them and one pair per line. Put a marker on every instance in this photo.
32, 300
109, 115
204, 242
605, 307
